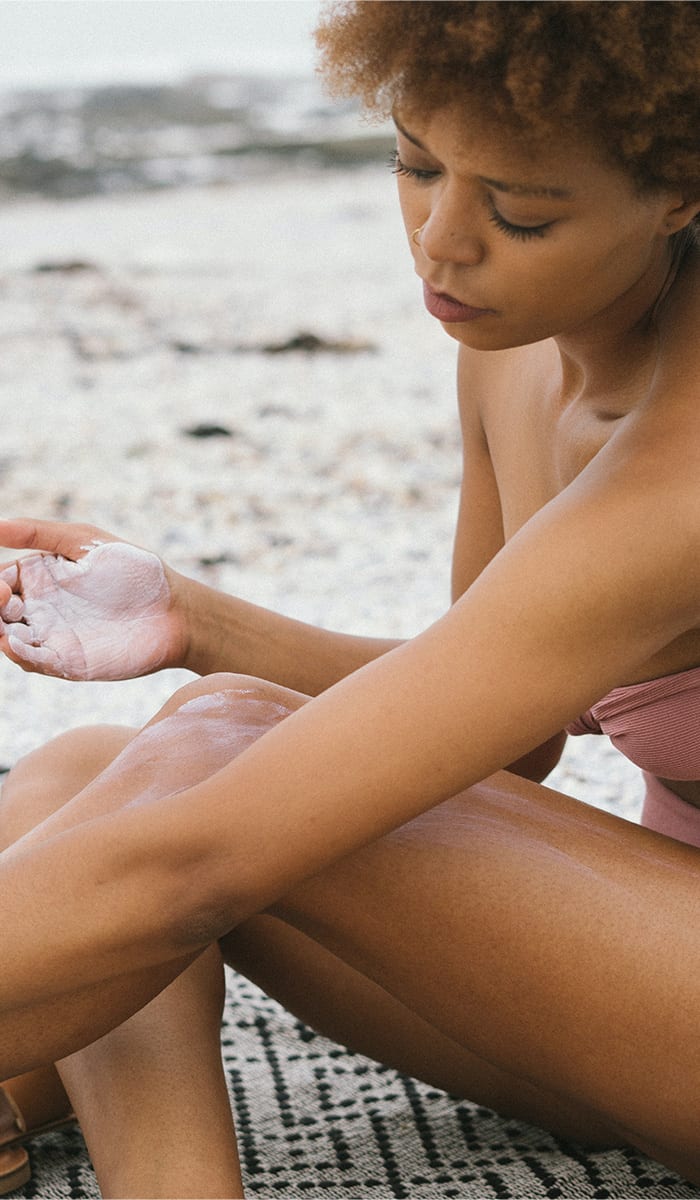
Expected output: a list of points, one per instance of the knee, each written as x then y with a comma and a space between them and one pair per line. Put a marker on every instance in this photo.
47, 778
234, 696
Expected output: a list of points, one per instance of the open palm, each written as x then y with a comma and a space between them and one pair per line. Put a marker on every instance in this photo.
106, 615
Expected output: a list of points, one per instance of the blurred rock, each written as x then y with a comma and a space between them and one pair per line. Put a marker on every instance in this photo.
208, 431
311, 343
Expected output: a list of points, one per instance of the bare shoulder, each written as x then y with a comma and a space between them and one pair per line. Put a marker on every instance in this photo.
480, 373
496, 387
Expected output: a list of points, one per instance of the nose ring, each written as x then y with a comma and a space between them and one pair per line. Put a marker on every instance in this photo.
414, 235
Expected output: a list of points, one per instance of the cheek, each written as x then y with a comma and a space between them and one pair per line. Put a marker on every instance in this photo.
414, 210
577, 278
604, 273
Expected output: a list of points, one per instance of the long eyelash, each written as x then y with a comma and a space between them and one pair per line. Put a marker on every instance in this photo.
520, 232
399, 168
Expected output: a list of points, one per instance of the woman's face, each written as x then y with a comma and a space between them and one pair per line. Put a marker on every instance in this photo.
517, 243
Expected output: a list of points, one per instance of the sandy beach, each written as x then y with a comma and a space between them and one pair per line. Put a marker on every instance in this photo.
130, 324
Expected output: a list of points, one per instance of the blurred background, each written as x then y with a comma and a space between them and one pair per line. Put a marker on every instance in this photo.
106, 95
212, 340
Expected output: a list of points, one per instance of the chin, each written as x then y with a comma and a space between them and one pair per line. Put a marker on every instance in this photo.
494, 339
477, 337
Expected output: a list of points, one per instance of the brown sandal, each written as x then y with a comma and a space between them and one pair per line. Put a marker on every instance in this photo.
15, 1168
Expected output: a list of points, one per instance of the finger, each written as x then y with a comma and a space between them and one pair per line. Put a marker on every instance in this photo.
9, 576
54, 537
16, 659
37, 656
12, 610
21, 633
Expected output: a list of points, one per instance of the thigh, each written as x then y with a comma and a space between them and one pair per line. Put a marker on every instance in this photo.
343, 1004
47, 778
548, 940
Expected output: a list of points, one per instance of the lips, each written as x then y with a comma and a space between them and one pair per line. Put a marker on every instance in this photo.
449, 310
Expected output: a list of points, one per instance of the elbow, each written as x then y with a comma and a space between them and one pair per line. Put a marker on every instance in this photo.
168, 891
538, 763
202, 912
207, 890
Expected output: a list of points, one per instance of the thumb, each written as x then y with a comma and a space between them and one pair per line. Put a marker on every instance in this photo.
53, 537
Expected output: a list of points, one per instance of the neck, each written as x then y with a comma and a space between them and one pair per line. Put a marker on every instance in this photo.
611, 351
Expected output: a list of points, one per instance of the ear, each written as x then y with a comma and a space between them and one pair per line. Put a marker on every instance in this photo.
679, 214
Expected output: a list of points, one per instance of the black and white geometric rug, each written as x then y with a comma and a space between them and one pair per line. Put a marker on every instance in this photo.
316, 1121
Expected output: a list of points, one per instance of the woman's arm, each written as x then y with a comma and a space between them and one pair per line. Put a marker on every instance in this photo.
92, 607
230, 634
479, 534
586, 593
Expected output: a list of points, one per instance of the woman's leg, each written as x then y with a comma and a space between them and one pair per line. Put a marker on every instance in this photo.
40, 784
185, 742
155, 1084
514, 947
151, 1095
547, 940
40, 1097
347, 1006
36, 790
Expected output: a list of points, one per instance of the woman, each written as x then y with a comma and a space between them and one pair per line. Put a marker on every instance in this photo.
549, 180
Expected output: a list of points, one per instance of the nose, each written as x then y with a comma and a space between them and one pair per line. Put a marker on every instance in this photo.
450, 234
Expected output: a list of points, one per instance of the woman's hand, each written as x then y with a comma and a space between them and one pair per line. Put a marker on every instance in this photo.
87, 606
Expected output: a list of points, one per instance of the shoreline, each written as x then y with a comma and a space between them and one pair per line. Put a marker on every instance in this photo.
66, 142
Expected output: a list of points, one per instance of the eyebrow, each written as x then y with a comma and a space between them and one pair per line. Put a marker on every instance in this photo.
514, 189
527, 189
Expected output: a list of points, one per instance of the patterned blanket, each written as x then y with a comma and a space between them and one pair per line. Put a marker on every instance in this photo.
314, 1120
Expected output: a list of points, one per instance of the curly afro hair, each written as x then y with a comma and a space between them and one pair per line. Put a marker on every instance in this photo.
625, 73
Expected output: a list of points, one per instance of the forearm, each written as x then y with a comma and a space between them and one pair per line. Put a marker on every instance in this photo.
54, 1028
100, 915
151, 882
119, 879
88, 606
226, 633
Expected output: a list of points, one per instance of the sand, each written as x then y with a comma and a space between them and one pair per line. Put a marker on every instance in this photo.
330, 492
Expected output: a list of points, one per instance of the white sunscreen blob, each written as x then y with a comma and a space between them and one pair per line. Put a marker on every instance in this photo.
102, 617
182, 749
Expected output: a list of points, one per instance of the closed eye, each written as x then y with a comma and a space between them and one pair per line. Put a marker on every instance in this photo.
521, 232
399, 168
517, 232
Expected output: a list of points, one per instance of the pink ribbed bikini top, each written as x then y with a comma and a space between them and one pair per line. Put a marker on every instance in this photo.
655, 724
